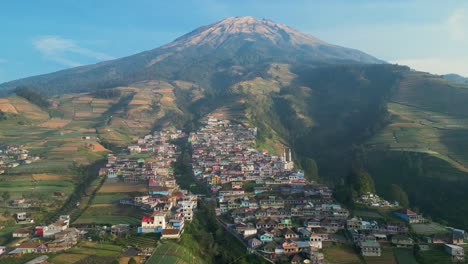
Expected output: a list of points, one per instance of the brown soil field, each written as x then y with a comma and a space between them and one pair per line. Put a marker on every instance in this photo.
83, 114
68, 147
337, 255
101, 205
96, 147
87, 130
55, 123
83, 100
122, 187
99, 110
163, 90
49, 177
167, 99
139, 102
30, 111
8, 108
101, 102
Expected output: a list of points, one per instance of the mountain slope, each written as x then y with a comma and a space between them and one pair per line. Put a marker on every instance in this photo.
199, 57
455, 78
334, 106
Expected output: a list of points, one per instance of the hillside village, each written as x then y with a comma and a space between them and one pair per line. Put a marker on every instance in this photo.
268, 204
12, 156
263, 200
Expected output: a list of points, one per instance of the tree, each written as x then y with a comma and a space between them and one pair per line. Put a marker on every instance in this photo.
361, 181
310, 169
132, 261
5, 197
3, 115
399, 195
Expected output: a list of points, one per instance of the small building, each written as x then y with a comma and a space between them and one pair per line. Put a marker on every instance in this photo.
370, 248
423, 247
290, 247
456, 252
120, 229
250, 231
315, 241
402, 241
254, 243
171, 234
23, 232
410, 216
154, 224
458, 236
128, 254
266, 237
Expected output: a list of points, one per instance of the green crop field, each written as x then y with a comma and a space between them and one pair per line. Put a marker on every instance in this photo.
386, 258
404, 256
429, 229
108, 198
170, 253
110, 214
436, 255
143, 241
341, 254
86, 250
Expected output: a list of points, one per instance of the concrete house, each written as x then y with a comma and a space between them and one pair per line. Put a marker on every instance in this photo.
456, 252
370, 248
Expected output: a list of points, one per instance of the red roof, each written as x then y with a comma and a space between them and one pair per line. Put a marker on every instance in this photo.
179, 195
170, 231
146, 219
408, 212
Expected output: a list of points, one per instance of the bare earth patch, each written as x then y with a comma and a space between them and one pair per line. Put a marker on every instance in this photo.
49, 177
122, 187
55, 123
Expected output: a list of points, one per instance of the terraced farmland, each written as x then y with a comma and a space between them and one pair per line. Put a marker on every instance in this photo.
170, 253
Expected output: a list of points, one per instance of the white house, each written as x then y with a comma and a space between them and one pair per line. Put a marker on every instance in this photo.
315, 241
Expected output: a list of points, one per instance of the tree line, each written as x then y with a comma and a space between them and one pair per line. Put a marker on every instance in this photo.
32, 96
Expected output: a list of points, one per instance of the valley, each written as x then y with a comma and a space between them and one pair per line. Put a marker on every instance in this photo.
353, 123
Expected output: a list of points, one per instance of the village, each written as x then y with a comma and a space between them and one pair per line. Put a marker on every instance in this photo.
263, 200
12, 156
268, 204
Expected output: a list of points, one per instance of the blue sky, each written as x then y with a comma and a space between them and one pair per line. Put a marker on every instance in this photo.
45, 36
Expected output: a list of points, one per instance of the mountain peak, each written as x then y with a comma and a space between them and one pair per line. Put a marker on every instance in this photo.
235, 41
249, 29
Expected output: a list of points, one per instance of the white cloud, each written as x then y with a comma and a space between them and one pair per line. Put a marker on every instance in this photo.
437, 65
456, 24
62, 50
448, 47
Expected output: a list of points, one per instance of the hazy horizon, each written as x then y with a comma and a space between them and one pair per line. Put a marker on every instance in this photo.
53, 35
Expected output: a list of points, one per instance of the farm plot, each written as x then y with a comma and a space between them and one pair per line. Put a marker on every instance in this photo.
170, 252
109, 198
387, 258
85, 250
429, 229
143, 241
405, 256
120, 187
341, 254
110, 214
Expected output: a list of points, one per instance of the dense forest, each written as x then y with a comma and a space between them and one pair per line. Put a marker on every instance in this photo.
33, 96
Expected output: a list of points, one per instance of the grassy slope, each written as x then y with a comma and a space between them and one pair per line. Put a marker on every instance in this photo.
423, 149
